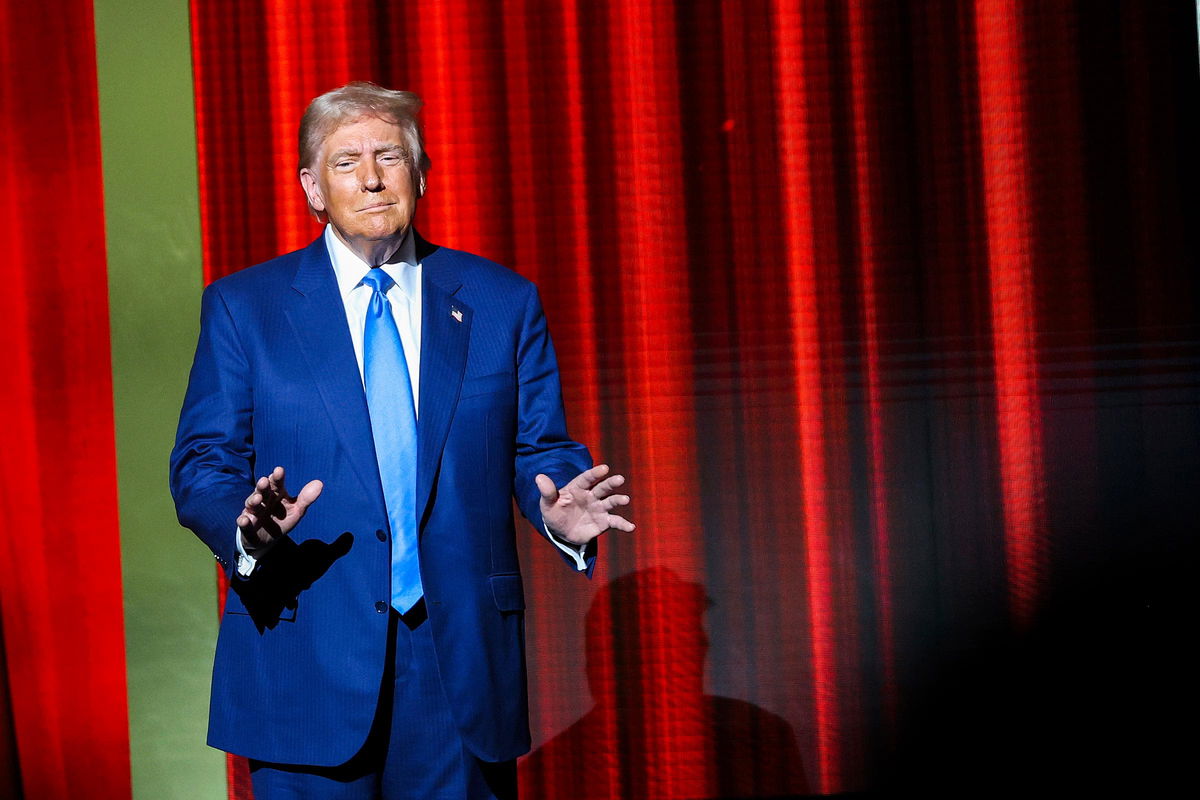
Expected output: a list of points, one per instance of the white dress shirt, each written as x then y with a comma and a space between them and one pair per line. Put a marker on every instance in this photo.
404, 297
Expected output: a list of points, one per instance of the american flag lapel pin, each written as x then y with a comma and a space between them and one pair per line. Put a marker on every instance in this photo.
454, 312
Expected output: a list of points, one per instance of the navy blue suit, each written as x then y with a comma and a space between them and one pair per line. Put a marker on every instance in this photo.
302, 642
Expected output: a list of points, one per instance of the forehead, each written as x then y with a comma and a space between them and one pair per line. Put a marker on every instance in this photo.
364, 131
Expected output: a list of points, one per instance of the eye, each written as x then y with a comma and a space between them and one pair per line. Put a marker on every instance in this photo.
389, 159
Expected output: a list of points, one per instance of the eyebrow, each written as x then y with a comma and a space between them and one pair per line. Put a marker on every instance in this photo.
356, 151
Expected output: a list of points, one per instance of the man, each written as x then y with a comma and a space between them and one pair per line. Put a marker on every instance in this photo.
372, 640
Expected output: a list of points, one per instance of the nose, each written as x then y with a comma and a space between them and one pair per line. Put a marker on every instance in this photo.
372, 180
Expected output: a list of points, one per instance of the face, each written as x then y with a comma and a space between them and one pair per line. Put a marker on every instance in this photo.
364, 184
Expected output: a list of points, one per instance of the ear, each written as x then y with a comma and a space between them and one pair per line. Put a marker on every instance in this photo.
421, 185
312, 190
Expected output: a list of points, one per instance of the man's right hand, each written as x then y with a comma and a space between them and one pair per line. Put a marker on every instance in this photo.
271, 512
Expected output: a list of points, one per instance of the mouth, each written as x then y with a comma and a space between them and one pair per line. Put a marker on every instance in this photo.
377, 207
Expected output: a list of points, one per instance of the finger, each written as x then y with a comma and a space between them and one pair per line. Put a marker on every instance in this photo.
275, 483
309, 494
608, 486
274, 494
247, 520
254, 503
614, 501
617, 523
261, 494
546, 487
264, 509
588, 478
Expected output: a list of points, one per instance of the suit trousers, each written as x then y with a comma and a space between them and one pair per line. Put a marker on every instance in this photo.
413, 751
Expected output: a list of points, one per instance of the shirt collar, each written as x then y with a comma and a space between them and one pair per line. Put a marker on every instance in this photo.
349, 269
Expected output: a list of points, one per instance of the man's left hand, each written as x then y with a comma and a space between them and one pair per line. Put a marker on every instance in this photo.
579, 511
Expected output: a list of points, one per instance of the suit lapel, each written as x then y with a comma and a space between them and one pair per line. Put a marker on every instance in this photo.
445, 333
318, 318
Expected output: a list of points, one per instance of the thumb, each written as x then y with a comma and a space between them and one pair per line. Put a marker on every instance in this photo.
309, 494
546, 487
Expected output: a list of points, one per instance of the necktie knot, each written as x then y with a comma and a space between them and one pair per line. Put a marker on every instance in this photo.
378, 281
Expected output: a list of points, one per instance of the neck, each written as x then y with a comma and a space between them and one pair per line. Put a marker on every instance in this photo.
373, 252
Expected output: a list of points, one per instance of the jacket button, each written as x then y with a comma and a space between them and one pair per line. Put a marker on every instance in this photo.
381, 606
380, 535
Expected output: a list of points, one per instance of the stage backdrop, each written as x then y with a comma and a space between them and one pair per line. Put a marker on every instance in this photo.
888, 313
887, 310
63, 722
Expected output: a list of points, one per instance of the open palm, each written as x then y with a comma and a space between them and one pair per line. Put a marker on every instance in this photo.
582, 510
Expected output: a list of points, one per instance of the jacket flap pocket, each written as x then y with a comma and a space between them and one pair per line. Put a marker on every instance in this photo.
485, 384
508, 592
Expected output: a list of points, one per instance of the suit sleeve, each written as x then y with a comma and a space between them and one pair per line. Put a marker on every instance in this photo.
543, 445
212, 461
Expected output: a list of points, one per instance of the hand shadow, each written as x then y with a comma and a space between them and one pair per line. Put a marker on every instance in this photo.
272, 594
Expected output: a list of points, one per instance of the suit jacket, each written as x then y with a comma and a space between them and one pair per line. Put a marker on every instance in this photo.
301, 649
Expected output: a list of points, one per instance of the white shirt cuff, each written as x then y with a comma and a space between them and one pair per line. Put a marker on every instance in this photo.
574, 551
245, 561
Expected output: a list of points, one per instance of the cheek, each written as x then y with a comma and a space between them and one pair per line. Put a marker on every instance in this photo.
402, 212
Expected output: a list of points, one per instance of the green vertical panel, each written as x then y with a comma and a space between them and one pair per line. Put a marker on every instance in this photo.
154, 265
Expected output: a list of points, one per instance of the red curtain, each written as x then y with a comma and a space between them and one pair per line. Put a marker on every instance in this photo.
887, 311
63, 720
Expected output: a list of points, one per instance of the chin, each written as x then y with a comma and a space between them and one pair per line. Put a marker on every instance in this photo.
381, 232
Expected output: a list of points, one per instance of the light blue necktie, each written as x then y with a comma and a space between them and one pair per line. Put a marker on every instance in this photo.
394, 427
